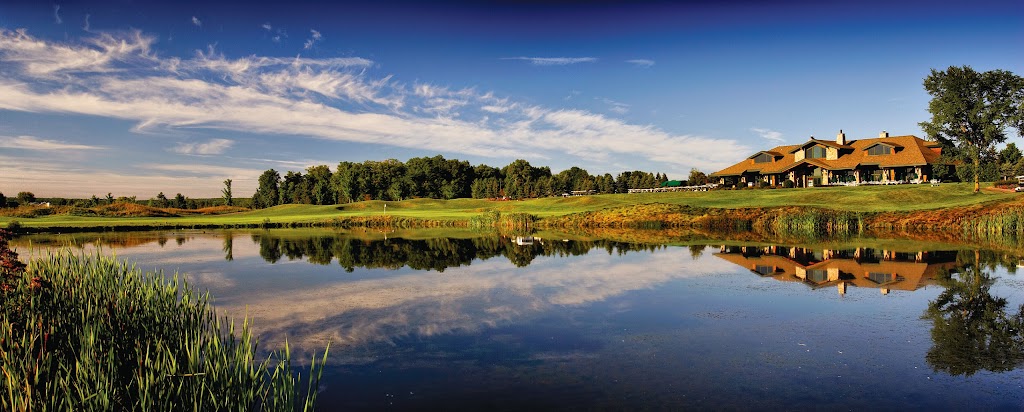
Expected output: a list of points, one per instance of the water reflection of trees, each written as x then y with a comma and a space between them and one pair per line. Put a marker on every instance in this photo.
430, 254
971, 329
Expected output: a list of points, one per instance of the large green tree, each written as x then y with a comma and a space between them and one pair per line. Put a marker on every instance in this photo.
1009, 159
267, 193
26, 197
521, 179
697, 177
292, 189
320, 187
179, 201
971, 111
161, 200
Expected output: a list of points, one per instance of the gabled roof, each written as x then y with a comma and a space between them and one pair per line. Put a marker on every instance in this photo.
767, 152
815, 142
914, 152
890, 144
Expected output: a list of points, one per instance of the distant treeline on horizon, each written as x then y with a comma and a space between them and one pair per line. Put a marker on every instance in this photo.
436, 178
392, 180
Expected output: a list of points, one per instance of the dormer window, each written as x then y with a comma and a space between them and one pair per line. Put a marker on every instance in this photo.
879, 149
764, 158
815, 152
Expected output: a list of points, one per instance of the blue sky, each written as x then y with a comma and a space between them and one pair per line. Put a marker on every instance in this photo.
136, 98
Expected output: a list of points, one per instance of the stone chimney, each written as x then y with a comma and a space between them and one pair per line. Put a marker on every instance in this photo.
841, 138
883, 134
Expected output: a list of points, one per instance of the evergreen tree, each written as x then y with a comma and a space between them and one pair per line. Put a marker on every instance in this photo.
226, 193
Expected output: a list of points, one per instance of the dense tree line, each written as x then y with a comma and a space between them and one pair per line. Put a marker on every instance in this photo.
435, 178
420, 177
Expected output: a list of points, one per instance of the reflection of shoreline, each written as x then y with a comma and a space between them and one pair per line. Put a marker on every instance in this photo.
884, 270
111, 239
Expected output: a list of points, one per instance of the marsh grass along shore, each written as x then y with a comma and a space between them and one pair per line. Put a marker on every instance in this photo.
89, 332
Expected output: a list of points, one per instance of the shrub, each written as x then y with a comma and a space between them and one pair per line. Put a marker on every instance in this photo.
787, 184
1006, 184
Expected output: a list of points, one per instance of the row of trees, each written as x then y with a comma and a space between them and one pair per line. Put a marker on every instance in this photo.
436, 178
179, 201
994, 165
23, 198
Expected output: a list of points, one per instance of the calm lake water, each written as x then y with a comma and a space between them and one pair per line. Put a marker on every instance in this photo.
505, 323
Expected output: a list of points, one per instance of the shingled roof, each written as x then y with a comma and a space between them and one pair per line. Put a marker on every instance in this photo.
907, 151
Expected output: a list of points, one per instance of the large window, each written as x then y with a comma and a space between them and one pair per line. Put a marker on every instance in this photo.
880, 277
763, 158
879, 149
765, 270
816, 152
817, 275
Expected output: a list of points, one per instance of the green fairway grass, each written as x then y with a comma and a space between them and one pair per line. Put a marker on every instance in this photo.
902, 198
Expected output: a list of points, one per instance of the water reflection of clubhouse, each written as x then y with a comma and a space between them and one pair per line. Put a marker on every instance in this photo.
861, 267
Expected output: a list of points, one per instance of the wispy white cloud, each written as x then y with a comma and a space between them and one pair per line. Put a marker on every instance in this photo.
614, 106
197, 22
554, 61
40, 58
768, 134
267, 26
641, 62
35, 143
495, 109
118, 76
85, 27
56, 14
315, 37
212, 147
281, 34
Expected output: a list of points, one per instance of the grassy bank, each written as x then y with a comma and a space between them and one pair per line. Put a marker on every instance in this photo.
832, 209
92, 333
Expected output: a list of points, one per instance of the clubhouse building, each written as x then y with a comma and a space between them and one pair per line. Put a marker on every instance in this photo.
882, 160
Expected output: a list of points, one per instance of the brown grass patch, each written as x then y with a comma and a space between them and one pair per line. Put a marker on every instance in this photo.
941, 218
219, 210
131, 210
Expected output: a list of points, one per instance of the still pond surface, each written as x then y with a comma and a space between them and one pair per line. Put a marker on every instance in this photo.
505, 323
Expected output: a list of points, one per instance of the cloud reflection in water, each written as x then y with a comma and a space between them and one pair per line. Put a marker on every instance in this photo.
464, 299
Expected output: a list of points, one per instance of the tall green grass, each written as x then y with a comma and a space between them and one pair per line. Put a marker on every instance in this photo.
90, 333
812, 222
515, 221
1004, 226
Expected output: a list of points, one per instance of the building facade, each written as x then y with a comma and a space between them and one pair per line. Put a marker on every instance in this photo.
881, 160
